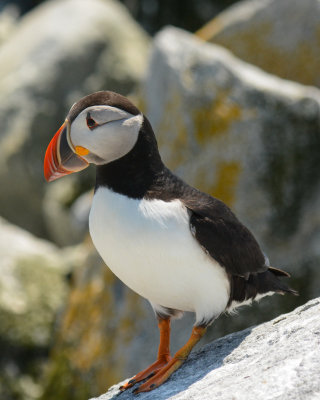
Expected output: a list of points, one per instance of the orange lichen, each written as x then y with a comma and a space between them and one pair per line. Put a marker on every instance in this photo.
215, 118
177, 142
210, 29
226, 182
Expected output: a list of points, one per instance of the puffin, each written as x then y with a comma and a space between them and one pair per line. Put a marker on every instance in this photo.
179, 248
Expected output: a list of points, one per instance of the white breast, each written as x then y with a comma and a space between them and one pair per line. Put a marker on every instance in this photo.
149, 246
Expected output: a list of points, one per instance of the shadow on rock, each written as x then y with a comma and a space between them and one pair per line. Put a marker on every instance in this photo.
200, 363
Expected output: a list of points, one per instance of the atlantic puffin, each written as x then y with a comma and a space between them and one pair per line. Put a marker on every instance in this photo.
179, 248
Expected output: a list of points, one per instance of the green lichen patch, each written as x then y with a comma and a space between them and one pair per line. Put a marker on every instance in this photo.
39, 291
31, 293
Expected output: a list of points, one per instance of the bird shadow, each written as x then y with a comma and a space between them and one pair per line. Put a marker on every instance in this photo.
199, 364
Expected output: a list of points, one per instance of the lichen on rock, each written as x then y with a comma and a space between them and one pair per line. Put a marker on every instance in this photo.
251, 30
33, 288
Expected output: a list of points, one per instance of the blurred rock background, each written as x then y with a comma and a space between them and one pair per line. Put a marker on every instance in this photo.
232, 93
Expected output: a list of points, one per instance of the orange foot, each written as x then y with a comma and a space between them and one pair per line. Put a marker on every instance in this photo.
147, 373
178, 359
162, 359
161, 376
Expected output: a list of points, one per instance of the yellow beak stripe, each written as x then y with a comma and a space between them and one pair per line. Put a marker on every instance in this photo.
81, 151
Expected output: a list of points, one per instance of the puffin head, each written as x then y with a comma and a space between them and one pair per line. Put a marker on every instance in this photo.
100, 128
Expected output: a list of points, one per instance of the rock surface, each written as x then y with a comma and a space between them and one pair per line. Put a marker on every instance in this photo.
8, 22
276, 360
33, 288
279, 36
32, 285
57, 53
66, 218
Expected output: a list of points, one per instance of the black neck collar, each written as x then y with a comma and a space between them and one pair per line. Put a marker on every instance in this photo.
136, 172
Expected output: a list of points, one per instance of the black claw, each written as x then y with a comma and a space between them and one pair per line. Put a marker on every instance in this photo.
152, 386
135, 391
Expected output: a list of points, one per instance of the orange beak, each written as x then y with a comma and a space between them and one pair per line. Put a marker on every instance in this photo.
60, 158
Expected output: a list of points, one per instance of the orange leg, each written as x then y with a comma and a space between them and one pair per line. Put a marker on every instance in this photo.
178, 359
162, 359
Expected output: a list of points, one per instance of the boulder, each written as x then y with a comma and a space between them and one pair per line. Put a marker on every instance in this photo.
66, 215
58, 52
279, 36
8, 20
33, 288
276, 360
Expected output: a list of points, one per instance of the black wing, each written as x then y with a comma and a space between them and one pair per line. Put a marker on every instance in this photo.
224, 237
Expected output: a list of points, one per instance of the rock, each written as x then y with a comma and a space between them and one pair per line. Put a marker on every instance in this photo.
276, 360
59, 52
8, 21
279, 36
33, 288
66, 219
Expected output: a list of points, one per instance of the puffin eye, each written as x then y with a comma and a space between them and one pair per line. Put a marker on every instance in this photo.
91, 123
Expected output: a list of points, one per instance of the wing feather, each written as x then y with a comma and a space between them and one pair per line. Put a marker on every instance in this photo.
225, 238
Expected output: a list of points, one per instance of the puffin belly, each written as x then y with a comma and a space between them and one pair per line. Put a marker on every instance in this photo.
148, 245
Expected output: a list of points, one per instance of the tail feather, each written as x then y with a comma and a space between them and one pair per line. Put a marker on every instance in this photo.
259, 284
279, 272
285, 287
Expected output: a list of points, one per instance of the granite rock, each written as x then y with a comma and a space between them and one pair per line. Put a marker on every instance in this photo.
276, 360
279, 36
8, 21
33, 289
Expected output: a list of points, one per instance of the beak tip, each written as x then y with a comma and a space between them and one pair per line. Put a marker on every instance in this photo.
60, 159
48, 179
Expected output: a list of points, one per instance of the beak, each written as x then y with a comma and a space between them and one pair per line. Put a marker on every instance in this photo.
60, 158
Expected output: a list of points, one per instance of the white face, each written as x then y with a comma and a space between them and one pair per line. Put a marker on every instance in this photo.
108, 133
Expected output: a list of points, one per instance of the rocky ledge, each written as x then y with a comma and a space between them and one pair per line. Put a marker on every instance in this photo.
275, 360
